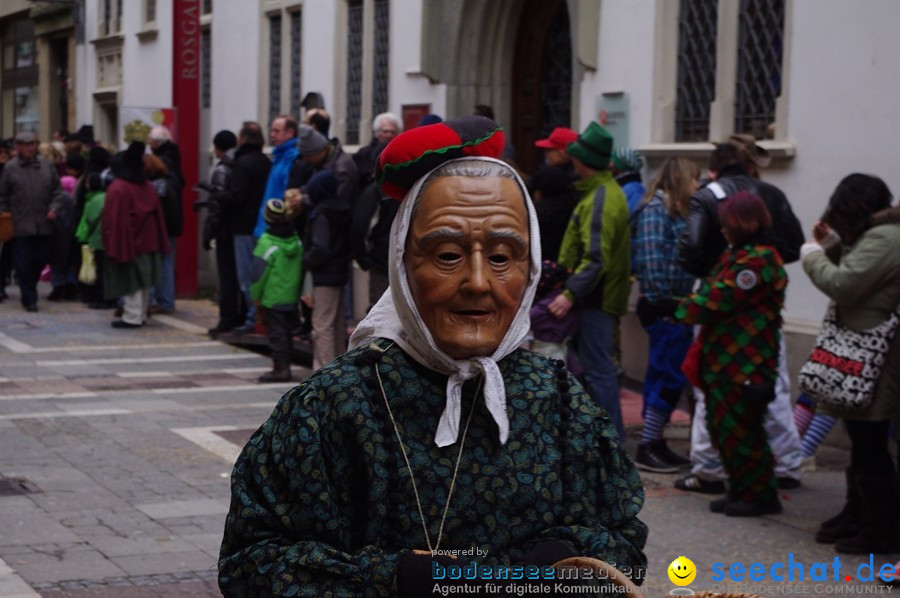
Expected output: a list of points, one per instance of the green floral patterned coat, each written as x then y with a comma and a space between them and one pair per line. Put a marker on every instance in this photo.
322, 502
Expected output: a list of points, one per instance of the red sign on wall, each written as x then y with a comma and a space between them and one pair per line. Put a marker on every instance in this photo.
186, 100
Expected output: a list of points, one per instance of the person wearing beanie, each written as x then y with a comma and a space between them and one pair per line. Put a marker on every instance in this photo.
276, 275
327, 259
318, 154
133, 230
596, 248
224, 143
626, 165
239, 204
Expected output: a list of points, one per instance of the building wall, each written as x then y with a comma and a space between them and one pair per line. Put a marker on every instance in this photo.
624, 64
838, 111
842, 111
147, 64
236, 56
408, 84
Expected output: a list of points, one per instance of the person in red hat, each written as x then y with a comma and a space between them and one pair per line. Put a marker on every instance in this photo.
554, 147
553, 190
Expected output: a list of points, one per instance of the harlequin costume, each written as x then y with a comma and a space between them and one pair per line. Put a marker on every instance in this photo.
739, 309
324, 501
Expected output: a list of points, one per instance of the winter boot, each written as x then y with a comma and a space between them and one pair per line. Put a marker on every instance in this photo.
846, 523
754, 508
650, 458
281, 372
720, 504
878, 531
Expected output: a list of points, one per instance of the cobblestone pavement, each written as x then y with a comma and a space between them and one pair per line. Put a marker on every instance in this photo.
126, 438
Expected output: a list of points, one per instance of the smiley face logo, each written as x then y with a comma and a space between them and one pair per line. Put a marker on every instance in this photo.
682, 571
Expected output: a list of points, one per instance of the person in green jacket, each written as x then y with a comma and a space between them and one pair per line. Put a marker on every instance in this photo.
275, 285
855, 261
596, 248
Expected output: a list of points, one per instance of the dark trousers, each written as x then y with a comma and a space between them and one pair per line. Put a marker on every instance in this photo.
735, 424
6, 264
230, 297
100, 266
870, 453
280, 324
30, 255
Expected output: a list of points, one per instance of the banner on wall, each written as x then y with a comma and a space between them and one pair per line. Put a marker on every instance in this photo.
135, 123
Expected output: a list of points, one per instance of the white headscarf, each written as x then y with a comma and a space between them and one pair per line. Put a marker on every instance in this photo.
396, 317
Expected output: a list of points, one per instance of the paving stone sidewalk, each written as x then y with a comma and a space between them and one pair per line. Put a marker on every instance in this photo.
128, 436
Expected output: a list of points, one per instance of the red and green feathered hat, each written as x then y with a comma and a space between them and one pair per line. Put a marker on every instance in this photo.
416, 152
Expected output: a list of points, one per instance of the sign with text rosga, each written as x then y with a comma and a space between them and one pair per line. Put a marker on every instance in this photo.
186, 99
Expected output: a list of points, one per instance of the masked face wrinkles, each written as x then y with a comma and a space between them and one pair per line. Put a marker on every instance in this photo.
467, 261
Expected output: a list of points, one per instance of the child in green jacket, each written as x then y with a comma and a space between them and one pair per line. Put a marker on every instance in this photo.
275, 286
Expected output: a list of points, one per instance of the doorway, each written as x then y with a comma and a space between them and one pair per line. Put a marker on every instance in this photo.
542, 78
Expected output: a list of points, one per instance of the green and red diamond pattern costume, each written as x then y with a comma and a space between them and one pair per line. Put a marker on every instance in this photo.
739, 310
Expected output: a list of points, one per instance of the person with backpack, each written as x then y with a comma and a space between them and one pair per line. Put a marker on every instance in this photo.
699, 248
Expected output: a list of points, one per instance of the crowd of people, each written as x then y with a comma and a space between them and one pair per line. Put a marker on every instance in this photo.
455, 289
708, 253
100, 224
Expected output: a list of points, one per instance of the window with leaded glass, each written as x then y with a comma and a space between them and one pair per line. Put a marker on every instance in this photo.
382, 55
697, 21
296, 50
274, 66
354, 69
205, 66
19, 107
760, 52
105, 27
149, 11
556, 80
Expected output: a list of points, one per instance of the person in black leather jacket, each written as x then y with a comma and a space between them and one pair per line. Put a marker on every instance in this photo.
732, 168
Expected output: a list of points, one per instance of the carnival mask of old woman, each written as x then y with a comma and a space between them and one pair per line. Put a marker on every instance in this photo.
464, 260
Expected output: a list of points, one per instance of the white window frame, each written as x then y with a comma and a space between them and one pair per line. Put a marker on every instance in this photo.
284, 9
112, 22
367, 84
721, 118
